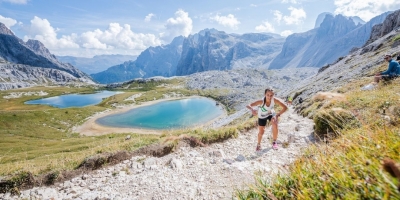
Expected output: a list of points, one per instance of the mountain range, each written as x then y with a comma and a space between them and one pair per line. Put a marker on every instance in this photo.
207, 50
335, 37
210, 49
154, 61
24, 64
332, 38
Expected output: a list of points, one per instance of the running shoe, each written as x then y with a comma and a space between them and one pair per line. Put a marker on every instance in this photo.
258, 148
275, 145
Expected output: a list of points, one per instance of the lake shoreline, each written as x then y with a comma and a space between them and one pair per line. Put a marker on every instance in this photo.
92, 128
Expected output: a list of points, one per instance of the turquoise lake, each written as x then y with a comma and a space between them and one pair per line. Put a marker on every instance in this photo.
74, 100
174, 114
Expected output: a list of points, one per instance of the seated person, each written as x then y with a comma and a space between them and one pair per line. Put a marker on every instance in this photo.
392, 71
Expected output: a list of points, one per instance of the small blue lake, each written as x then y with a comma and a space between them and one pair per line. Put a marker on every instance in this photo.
74, 100
174, 114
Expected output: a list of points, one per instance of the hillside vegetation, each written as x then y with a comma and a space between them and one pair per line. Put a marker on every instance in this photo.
359, 131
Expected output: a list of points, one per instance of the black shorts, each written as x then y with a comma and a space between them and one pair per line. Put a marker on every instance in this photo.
263, 122
389, 77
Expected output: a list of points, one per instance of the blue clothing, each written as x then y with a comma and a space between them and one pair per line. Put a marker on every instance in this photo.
393, 69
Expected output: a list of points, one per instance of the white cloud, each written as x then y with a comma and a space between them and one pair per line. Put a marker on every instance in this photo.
115, 39
40, 29
180, 25
277, 16
286, 33
148, 17
17, 1
253, 5
365, 9
7, 21
296, 16
265, 27
290, 1
227, 21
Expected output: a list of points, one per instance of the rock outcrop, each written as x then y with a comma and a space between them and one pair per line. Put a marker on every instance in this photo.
13, 76
391, 22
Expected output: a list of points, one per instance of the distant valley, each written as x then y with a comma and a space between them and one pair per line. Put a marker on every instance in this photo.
97, 63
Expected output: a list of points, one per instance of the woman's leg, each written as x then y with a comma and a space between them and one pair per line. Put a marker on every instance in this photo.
274, 124
260, 134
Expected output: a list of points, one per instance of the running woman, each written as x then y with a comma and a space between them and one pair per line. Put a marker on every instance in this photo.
266, 113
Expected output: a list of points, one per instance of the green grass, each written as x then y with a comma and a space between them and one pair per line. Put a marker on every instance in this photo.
39, 139
350, 166
397, 37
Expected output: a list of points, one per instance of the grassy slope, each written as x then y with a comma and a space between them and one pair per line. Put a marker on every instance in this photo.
350, 166
38, 138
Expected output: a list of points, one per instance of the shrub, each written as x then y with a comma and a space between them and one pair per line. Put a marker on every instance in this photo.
333, 120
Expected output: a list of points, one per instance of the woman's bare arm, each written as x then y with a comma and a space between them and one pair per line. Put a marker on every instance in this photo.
250, 106
280, 103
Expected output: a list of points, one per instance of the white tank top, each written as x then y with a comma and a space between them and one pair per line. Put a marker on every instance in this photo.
264, 111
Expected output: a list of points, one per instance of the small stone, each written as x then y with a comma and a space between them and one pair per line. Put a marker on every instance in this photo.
128, 137
82, 184
92, 187
240, 158
218, 153
85, 176
149, 162
176, 164
229, 161
386, 118
136, 165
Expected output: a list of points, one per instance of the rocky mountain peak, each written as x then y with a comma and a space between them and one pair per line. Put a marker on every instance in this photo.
39, 48
4, 30
321, 18
335, 27
357, 20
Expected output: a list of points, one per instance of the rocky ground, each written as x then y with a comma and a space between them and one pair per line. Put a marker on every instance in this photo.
212, 172
246, 85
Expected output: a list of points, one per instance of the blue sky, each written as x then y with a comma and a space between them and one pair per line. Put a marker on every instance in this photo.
92, 27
